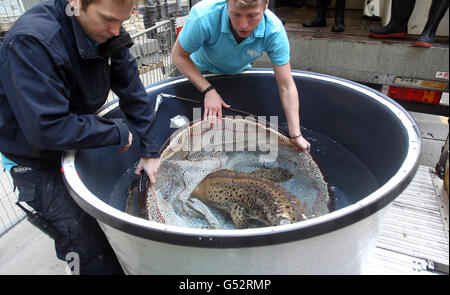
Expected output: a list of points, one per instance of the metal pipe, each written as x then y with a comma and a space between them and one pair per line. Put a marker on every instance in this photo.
153, 28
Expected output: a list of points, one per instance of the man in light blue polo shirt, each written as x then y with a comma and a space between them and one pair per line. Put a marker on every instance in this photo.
224, 37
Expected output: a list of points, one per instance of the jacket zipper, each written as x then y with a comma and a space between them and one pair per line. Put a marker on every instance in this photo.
106, 76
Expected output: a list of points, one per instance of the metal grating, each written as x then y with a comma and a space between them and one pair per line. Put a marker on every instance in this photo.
10, 10
413, 238
152, 51
10, 214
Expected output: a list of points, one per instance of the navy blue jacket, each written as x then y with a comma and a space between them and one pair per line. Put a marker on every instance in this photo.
52, 82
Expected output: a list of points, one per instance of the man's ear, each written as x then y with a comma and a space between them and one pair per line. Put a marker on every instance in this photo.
267, 4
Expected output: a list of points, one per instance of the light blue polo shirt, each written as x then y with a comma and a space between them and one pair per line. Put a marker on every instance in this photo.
207, 35
7, 163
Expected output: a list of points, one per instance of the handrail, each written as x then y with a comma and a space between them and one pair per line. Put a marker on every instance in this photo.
160, 24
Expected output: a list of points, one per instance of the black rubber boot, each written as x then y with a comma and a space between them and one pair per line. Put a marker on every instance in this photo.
401, 10
339, 25
321, 19
437, 12
272, 8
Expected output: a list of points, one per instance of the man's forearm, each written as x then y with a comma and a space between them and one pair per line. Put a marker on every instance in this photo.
289, 97
289, 101
187, 67
190, 70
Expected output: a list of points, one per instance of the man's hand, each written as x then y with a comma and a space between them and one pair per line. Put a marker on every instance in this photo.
301, 143
127, 146
150, 166
213, 107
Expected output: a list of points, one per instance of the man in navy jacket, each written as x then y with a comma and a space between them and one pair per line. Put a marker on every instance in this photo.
56, 70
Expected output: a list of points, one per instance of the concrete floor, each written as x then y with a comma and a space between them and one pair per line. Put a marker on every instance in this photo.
25, 250
434, 130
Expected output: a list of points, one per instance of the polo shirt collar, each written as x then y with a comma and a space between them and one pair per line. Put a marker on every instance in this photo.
226, 25
261, 28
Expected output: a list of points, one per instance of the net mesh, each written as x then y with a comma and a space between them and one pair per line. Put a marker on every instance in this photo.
196, 150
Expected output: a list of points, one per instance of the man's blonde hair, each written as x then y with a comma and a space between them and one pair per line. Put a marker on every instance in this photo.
248, 3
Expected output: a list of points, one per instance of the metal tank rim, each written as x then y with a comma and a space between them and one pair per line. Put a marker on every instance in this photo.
257, 236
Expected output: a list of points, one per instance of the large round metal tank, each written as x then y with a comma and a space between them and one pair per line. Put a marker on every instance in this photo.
374, 128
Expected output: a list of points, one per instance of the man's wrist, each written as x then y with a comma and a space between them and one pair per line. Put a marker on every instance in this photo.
211, 87
296, 136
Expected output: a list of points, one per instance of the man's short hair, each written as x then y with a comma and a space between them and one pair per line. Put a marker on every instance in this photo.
86, 3
248, 3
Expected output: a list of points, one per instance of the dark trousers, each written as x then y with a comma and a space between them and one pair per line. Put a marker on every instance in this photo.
79, 233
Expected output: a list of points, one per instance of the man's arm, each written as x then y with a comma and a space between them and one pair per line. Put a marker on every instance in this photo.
38, 91
134, 102
289, 101
213, 101
187, 67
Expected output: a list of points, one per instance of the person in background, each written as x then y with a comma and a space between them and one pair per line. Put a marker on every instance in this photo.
224, 37
58, 63
401, 11
272, 8
321, 18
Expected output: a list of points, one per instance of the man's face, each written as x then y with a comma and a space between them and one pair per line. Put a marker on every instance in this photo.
102, 19
245, 20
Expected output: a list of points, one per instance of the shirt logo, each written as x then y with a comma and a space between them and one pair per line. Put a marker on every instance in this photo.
253, 52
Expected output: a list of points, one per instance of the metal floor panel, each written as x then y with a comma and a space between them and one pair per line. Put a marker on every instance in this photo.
413, 238
387, 262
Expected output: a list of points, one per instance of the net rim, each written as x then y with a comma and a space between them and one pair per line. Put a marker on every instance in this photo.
281, 134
